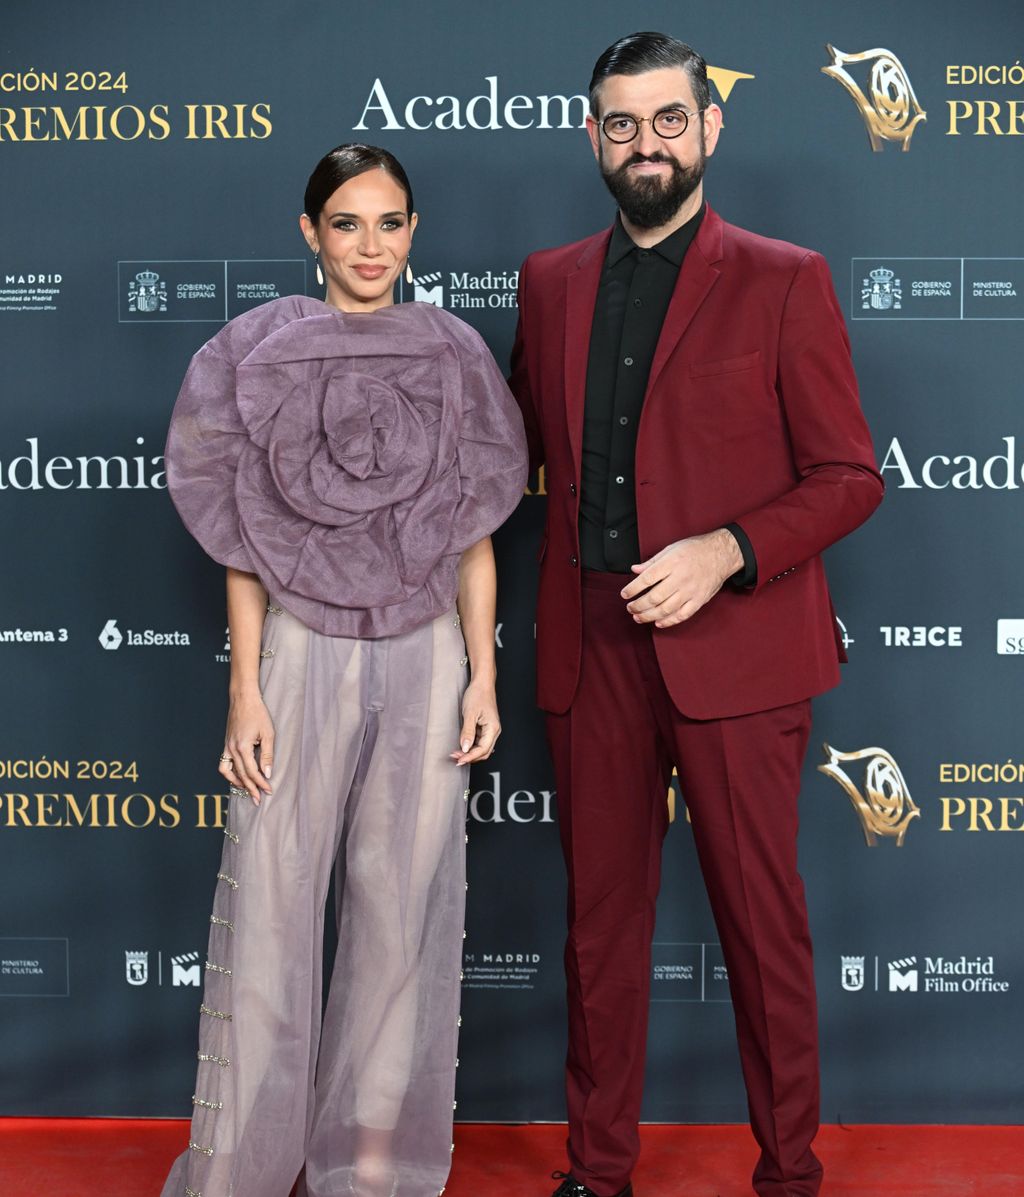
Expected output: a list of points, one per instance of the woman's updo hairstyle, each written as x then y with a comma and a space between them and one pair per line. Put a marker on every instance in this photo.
344, 162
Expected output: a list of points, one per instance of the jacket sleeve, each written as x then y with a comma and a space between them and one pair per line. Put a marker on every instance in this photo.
837, 483
519, 379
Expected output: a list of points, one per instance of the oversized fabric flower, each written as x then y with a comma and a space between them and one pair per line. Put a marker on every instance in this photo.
346, 459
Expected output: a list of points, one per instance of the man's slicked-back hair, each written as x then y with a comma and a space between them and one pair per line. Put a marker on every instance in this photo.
637, 53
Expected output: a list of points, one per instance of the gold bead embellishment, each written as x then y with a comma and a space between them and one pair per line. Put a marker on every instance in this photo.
457, 621
207, 1105
222, 923
230, 834
221, 1014
206, 1058
238, 792
218, 968
227, 880
266, 654
202, 1150
464, 661
272, 610
191, 1192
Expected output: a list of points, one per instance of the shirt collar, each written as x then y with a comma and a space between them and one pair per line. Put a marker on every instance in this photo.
672, 248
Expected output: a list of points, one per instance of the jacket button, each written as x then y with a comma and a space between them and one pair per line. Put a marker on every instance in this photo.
572, 488
574, 561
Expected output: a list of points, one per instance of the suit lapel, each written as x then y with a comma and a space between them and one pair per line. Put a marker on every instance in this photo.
580, 296
697, 276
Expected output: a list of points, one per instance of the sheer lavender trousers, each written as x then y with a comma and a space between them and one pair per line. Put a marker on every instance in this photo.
364, 787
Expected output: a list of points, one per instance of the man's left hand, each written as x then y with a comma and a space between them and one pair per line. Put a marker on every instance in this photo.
674, 584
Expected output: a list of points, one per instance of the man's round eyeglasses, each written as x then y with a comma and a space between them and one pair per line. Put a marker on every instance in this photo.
668, 123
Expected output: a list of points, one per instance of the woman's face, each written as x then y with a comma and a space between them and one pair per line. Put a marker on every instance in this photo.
363, 237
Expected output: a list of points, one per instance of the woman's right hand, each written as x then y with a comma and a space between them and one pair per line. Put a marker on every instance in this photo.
249, 742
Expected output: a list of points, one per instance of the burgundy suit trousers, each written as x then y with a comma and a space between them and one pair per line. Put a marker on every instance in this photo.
613, 752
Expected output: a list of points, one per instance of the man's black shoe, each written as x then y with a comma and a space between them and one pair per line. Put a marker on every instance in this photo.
571, 1187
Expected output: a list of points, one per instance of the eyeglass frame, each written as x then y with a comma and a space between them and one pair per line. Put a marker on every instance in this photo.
639, 120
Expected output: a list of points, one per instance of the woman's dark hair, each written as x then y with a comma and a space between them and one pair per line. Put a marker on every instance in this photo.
637, 53
344, 162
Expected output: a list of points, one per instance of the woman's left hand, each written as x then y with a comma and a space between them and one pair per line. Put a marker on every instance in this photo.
481, 726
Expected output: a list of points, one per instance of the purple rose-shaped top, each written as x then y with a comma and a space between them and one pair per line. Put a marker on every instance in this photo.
346, 459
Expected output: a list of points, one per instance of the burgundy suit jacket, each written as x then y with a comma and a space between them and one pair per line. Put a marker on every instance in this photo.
751, 416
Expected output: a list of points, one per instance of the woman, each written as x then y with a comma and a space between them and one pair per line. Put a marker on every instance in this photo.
347, 462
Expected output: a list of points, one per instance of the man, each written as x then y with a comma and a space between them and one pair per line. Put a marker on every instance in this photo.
688, 386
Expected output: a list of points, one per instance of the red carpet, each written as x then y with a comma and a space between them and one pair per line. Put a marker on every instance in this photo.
57, 1157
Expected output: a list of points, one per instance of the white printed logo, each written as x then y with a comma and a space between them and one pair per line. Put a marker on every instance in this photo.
111, 637
882, 291
903, 975
428, 288
853, 973
147, 292
185, 969
136, 967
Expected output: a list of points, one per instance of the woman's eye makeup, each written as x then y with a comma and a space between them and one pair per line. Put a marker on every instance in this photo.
349, 226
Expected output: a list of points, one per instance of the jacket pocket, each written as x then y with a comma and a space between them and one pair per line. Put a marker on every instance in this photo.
726, 365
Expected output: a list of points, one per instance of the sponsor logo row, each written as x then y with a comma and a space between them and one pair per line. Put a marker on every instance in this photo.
1009, 637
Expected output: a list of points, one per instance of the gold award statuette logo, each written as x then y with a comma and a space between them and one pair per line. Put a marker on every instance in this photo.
890, 110
885, 806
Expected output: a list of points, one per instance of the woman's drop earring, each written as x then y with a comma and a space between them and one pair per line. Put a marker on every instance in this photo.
319, 272
408, 272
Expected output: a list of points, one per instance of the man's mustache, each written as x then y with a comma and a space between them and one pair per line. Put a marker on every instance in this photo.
638, 159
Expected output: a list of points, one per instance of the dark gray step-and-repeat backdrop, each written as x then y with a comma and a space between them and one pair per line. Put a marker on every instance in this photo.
153, 161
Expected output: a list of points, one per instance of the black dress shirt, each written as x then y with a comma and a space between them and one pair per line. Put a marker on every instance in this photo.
632, 299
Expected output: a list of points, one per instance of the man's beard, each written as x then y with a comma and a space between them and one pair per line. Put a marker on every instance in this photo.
648, 201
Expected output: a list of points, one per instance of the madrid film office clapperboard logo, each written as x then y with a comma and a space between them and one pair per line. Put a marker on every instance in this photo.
202, 291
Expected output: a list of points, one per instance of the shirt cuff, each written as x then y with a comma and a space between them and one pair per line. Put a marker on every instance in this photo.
747, 576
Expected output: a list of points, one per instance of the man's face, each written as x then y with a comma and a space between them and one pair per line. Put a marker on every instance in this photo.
652, 177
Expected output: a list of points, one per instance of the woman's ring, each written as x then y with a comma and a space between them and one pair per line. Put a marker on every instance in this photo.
225, 759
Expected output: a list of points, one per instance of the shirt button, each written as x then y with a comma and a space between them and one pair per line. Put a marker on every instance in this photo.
628, 361
572, 488
644, 253
612, 535
574, 561
638, 303
620, 479
623, 419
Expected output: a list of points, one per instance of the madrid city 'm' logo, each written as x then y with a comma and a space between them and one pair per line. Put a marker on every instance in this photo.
881, 291
147, 292
890, 108
885, 806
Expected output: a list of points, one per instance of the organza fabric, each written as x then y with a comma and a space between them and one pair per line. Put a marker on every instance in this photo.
362, 785
347, 459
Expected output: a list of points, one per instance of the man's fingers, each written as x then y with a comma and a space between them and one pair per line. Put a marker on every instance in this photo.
668, 603
650, 577
655, 597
